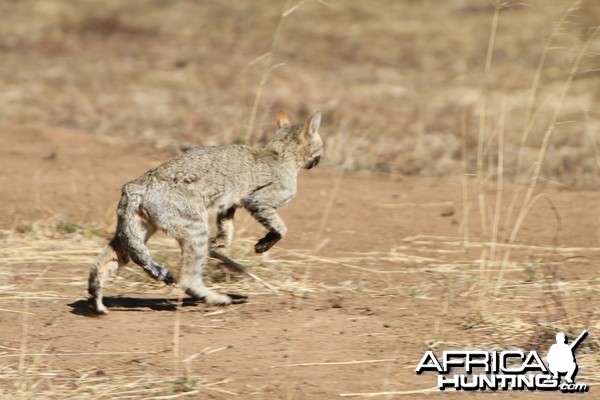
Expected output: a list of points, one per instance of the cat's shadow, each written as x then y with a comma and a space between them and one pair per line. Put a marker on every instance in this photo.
83, 307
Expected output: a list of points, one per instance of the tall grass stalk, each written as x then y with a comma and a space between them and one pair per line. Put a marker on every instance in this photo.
483, 265
527, 202
531, 116
23, 379
482, 117
529, 120
465, 182
327, 212
176, 334
268, 69
499, 185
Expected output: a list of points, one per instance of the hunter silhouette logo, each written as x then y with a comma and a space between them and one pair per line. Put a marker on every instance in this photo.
508, 369
561, 358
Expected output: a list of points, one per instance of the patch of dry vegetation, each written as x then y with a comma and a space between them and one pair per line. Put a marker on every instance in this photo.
392, 78
429, 269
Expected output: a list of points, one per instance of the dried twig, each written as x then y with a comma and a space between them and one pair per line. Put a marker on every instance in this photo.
334, 363
376, 394
236, 267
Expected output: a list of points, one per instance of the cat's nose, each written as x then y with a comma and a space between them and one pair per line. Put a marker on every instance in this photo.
314, 162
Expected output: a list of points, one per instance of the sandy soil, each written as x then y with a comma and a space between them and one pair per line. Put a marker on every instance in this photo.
376, 269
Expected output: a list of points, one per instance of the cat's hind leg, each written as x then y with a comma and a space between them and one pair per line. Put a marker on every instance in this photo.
107, 264
189, 226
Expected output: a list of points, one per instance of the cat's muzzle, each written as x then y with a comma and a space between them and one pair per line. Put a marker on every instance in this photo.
313, 162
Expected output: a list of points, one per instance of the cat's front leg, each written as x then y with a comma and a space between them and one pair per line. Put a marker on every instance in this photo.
224, 228
267, 217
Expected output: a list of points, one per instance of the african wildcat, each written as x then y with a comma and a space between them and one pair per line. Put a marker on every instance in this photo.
177, 196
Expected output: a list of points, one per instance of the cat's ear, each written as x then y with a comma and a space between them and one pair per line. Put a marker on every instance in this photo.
313, 124
282, 119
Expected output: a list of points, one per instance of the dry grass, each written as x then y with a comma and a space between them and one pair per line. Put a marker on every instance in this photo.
429, 268
91, 383
392, 78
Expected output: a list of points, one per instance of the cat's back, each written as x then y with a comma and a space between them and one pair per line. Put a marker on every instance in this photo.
208, 162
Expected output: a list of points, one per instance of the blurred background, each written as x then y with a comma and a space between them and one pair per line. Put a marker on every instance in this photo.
402, 84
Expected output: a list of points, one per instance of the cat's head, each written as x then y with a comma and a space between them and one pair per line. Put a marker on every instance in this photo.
308, 145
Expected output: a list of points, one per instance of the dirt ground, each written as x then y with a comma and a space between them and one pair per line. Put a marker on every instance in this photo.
373, 273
